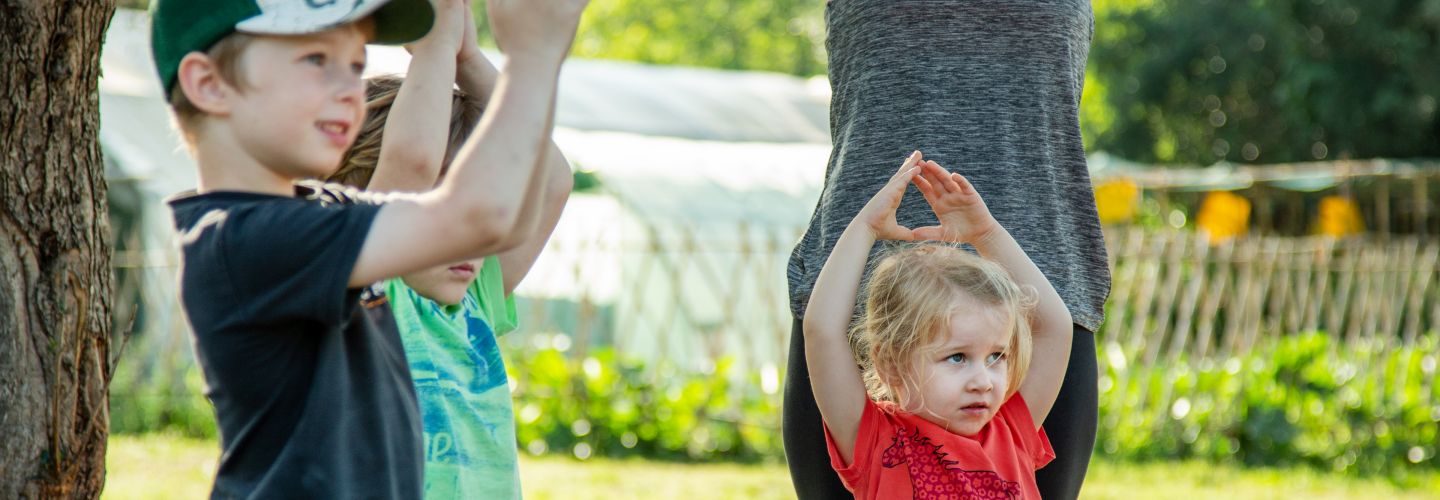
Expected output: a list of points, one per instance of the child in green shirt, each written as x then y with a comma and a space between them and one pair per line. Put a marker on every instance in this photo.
449, 317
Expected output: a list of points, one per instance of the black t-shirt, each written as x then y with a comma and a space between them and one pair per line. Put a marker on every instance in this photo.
308, 377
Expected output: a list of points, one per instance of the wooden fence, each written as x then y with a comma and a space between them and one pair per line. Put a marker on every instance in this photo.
1175, 293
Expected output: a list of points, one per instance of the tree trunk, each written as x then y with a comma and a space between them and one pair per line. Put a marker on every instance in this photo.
55, 278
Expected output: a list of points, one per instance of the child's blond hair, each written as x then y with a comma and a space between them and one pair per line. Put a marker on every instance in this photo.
358, 164
910, 297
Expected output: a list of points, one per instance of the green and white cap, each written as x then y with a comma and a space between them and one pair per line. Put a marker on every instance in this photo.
179, 27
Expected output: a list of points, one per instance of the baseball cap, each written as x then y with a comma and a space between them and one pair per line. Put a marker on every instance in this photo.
179, 27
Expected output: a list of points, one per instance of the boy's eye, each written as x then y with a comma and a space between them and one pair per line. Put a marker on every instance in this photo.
358, 68
993, 358
317, 59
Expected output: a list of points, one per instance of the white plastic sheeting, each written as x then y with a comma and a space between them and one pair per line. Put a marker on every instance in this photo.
678, 150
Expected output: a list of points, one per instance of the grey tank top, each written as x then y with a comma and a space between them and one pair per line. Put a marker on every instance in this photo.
987, 88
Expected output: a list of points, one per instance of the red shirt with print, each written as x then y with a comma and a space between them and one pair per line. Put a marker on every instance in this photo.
900, 455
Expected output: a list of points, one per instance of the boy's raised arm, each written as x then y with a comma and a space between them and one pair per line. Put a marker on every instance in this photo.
550, 184
472, 213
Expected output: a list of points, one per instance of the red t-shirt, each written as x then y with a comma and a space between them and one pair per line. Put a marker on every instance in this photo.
900, 455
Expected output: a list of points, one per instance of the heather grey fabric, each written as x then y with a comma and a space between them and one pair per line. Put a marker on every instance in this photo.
987, 88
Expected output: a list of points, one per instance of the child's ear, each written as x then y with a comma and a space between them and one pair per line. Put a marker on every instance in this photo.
200, 80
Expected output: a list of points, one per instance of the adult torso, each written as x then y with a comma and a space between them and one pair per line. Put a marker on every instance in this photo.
988, 88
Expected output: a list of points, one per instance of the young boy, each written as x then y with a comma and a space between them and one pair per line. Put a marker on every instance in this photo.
449, 316
302, 363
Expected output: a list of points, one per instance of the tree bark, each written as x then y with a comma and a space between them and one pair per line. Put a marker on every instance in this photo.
55, 277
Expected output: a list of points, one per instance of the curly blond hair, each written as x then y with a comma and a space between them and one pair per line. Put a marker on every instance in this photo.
910, 297
359, 162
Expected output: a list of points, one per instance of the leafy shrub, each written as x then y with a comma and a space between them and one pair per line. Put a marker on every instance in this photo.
150, 400
1303, 399
601, 405
1358, 408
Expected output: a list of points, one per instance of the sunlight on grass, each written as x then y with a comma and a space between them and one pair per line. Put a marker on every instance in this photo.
159, 466
163, 466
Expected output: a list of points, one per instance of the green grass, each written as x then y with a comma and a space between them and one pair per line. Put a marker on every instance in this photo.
162, 466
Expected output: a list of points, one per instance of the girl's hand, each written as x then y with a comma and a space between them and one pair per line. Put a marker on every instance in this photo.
964, 218
878, 215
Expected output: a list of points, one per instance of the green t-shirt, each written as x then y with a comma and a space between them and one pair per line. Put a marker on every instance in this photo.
463, 391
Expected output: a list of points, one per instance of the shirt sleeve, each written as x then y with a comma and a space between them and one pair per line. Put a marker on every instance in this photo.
496, 307
292, 259
1032, 440
854, 475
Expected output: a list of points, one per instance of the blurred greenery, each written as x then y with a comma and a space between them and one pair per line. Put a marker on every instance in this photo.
1200, 81
786, 36
605, 406
146, 396
1302, 400
1169, 81
1306, 399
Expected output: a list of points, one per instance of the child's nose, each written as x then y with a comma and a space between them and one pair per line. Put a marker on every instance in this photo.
352, 89
979, 384
348, 86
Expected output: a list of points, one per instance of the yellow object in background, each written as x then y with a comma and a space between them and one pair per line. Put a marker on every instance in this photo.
1223, 215
1117, 200
1339, 217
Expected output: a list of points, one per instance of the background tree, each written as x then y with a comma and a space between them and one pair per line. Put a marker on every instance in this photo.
55, 278
786, 36
1199, 81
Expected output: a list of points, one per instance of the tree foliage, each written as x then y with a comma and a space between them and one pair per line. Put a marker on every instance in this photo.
786, 36
1266, 81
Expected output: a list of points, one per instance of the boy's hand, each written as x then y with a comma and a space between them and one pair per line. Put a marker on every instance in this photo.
964, 218
879, 213
535, 28
469, 43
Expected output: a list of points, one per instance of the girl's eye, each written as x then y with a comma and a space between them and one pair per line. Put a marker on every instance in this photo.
956, 358
994, 357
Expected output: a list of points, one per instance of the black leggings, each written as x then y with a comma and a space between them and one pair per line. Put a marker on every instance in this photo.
1070, 426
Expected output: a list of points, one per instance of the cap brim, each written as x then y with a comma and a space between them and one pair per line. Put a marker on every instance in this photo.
396, 21
403, 21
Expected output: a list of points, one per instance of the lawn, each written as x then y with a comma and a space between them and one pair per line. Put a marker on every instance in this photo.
161, 466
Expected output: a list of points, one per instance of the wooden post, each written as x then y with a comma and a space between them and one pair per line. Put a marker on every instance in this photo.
1419, 288
1224, 263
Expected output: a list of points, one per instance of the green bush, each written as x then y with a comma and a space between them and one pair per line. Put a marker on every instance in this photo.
1303, 399
1358, 408
146, 399
604, 406
1300, 400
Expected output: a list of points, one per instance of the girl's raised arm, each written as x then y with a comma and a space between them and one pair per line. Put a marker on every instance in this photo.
834, 376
